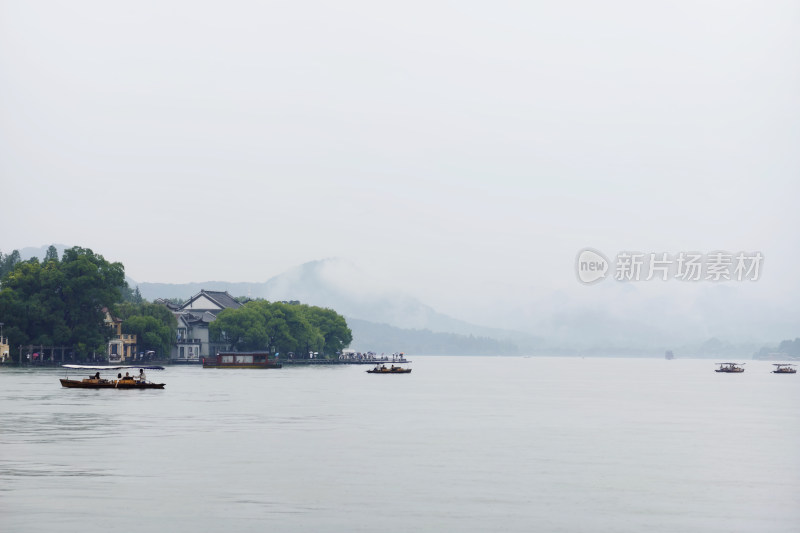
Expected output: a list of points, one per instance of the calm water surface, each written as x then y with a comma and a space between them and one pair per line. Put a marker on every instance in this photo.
461, 444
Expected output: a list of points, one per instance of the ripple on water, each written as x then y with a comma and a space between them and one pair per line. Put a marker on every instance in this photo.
28, 469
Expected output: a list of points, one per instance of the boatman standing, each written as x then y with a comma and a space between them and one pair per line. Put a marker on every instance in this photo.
141, 375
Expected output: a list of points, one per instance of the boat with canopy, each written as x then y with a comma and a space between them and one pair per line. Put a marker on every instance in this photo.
730, 368
781, 368
392, 370
127, 381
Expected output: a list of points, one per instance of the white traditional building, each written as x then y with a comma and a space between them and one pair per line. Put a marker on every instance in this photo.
191, 339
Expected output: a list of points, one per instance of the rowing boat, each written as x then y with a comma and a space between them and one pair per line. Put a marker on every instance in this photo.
122, 382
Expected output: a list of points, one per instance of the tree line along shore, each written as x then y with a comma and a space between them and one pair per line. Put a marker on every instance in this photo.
70, 304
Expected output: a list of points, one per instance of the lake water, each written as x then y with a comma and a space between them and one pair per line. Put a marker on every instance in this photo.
470, 444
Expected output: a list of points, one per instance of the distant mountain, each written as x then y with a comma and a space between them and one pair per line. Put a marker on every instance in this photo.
384, 320
382, 338
341, 286
184, 291
715, 321
32, 251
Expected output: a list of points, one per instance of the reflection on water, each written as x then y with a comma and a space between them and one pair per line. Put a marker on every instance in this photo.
470, 444
11, 469
49, 427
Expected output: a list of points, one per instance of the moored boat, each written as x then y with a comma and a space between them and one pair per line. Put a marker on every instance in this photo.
730, 368
122, 382
781, 368
240, 360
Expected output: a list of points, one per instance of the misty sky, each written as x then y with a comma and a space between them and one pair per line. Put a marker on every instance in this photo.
461, 151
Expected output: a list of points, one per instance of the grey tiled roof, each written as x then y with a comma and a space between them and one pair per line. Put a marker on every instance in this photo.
181, 317
193, 319
221, 298
224, 299
171, 306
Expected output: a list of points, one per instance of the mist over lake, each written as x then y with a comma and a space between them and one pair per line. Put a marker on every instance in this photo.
466, 444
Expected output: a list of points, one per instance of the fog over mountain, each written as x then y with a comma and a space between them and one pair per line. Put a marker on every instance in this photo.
625, 319
337, 284
611, 318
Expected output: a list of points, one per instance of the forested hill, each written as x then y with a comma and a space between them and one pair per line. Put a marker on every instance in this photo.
336, 284
382, 338
382, 320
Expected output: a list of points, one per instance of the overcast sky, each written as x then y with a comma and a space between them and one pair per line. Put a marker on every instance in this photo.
461, 151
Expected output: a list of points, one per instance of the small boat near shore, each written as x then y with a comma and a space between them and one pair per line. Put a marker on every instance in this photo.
122, 382
730, 368
781, 368
391, 370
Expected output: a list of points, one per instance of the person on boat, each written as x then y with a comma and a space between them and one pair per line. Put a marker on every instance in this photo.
119, 376
141, 375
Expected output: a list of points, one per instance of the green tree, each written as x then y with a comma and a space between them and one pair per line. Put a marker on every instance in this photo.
51, 255
7, 263
254, 326
336, 334
154, 325
61, 302
90, 284
303, 337
282, 328
131, 295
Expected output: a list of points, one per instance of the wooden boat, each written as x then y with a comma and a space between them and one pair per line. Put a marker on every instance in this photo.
730, 368
392, 370
783, 369
240, 360
122, 382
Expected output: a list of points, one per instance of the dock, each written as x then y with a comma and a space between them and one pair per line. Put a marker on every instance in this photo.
301, 362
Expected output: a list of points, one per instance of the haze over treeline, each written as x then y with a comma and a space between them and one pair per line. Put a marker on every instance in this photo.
387, 320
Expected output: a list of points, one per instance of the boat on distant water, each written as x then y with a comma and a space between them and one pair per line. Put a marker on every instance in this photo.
391, 370
122, 382
240, 360
784, 369
668, 355
730, 368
